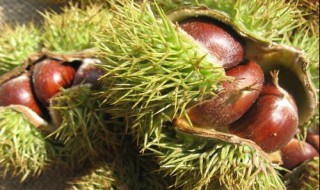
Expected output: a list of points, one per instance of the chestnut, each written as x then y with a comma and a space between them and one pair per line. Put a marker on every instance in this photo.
221, 41
234, 101
296, 152
272, 121
18, 91
313, 140
88, 73
49, 76
313, 137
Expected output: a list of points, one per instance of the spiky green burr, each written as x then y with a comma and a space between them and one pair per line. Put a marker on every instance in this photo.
127, 170
72, 30
16, 45
202, 163
152, 75
304, 176
86, 132
24, 149
306, 37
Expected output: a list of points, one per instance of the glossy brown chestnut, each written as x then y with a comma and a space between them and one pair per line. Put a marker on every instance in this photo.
297, 152
271, 122
49, 76
88, 73
234, 101
313, 138
221, 41
18, 91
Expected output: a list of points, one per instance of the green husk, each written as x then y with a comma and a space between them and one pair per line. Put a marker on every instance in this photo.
153, 71
307, 40
16, 45
127, 170
85, 130
202, 163
24, 150
305, 176
99, 179
72, 30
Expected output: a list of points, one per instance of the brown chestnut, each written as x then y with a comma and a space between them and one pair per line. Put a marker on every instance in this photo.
221, 41
49, 76
313, 137
18, 91
88, 73
272, 121
234, 101
296, 152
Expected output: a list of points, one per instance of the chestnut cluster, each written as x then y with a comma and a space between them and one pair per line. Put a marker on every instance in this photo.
253, 105
43, 80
